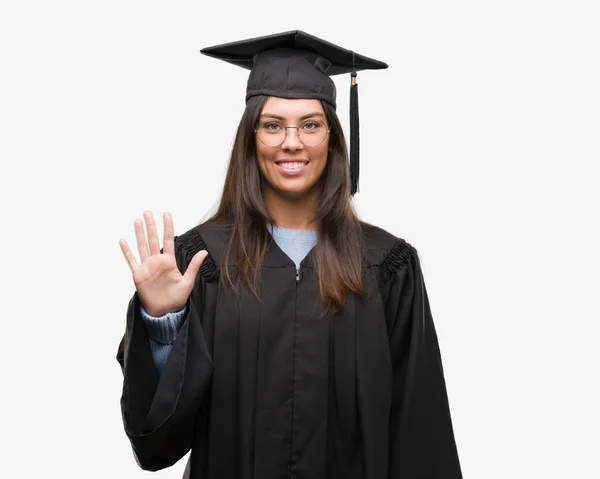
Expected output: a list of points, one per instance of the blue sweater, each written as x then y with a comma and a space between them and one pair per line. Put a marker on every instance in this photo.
163, 331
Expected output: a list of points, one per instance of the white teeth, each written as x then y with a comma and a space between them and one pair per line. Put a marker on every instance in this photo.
292, 165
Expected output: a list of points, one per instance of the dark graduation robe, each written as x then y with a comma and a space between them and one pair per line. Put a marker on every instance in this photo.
274, 389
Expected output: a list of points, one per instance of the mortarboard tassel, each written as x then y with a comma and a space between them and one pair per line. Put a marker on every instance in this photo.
354, 137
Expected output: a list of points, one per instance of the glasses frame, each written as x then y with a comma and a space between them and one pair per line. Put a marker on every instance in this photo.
297, 134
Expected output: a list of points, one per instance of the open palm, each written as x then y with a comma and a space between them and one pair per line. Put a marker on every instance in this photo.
160, 285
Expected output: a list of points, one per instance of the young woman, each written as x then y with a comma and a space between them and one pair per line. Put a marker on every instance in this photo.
284, 337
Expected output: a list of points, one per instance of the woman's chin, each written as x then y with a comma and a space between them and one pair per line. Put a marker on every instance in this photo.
290, 190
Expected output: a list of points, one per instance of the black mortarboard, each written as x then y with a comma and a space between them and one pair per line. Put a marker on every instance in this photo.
295, 64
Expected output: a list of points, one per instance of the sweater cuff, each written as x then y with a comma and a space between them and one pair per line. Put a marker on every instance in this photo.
165, 328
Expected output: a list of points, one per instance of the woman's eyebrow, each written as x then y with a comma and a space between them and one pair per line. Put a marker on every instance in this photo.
304, 117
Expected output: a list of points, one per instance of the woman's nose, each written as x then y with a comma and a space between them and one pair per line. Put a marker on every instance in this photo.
291, 140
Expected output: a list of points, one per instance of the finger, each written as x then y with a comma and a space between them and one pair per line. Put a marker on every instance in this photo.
152, 233
194, 266
169, 235
128, 255
141, 240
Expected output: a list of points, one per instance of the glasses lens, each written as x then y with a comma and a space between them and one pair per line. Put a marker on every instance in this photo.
312, 132
271, 133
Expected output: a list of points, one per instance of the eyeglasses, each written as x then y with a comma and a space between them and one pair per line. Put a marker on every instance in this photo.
310, 133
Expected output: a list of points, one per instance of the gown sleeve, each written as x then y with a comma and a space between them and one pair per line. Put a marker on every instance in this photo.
159, 412
422, 443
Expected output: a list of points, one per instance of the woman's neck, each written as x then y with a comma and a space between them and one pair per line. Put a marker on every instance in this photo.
292, 213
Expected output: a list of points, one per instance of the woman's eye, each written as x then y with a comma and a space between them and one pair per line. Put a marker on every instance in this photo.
271, 126
311, 125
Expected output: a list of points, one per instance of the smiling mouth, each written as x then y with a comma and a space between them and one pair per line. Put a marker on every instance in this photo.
291, 165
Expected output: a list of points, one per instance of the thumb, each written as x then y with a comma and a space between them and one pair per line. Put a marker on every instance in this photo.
194, 266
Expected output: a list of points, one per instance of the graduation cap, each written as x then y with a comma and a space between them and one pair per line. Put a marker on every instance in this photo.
295, 64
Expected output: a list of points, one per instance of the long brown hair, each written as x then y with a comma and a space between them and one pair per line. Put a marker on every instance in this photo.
338, 252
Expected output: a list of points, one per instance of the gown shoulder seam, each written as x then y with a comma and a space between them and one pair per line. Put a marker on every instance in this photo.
399, 257
191, 242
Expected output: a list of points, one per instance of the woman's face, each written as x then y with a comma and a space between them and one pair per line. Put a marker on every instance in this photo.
279, 165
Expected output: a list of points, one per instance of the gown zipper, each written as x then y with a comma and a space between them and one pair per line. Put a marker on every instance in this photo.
291, 463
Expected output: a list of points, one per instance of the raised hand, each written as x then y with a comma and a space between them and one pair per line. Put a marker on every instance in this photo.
159, 283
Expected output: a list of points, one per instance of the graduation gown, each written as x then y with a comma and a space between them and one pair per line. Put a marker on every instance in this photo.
273, 388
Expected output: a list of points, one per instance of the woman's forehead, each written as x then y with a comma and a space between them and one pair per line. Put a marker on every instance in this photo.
291, 108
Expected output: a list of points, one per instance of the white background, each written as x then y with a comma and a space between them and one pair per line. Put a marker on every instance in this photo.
479, 146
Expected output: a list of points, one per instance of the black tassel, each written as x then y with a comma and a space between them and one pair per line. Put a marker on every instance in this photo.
354, 136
